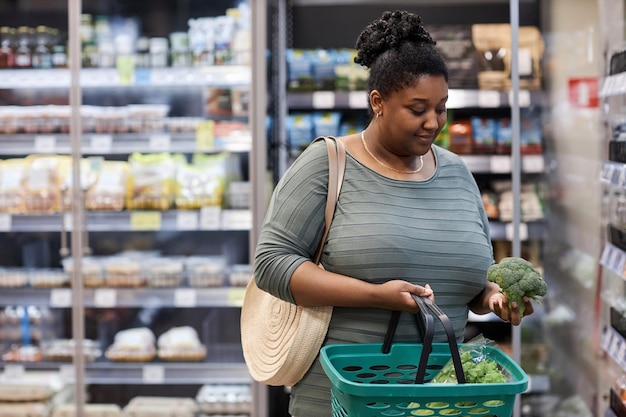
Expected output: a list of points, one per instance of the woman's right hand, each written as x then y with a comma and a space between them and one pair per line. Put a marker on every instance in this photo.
396, 295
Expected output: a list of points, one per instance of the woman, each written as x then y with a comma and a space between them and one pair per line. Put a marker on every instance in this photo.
409, 220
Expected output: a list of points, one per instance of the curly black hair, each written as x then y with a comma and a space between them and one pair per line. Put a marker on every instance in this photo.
397, 50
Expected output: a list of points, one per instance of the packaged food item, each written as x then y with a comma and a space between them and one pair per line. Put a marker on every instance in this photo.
160, 407
88, 176
124, 271
326, 123
165, 271
64, 350
504, 136
109, 189
91, 410
225, 399
299, 70
48, 278
299, 131
24, 353
24, 409
205, 271
460, 136
180, 344
30, 387
91, 270
41, 183
455, 44
132, 345
13, 277
151, 181
483, 135
12, 172
239, 275
202, 182
492, 45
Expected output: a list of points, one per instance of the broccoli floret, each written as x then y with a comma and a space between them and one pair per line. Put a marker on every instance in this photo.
517, 279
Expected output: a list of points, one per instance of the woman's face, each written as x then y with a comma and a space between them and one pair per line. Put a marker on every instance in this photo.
413, 117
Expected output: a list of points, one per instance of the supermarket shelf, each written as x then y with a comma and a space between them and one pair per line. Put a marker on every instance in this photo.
535, 230
208, 218
126, 297
615, 345
220, 76
502, 164
328, 100
119, 144
145, 373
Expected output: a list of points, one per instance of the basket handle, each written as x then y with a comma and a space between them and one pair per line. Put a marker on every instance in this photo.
426, 327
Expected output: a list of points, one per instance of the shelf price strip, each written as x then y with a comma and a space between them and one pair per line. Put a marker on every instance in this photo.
614, 259
615, 345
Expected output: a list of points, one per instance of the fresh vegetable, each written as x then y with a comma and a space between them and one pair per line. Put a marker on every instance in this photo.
478, 370
517, 279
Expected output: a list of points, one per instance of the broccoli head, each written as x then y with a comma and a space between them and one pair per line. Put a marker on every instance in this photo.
517, 279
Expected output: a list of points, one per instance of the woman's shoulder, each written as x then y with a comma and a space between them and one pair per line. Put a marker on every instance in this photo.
447, 158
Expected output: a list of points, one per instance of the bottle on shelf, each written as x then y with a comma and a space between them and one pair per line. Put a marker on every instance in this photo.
59, 50
24, 52
42, 53
7, 47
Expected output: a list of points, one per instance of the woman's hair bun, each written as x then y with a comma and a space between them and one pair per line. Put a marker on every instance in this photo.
389, 32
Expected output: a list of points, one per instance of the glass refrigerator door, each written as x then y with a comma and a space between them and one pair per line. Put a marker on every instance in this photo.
129, 203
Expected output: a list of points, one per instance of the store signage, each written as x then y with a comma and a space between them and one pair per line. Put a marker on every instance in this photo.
583, 92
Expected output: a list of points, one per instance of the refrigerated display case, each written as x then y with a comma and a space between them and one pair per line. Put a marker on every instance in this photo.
129, 201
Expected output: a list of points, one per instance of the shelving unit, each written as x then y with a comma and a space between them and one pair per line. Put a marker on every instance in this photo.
192, 232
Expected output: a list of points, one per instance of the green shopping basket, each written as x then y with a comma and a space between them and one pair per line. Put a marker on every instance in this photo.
391, 379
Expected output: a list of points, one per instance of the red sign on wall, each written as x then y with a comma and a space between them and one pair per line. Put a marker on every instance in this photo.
583, 92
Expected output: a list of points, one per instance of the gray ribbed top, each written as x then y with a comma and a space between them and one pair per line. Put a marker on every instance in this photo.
433, 231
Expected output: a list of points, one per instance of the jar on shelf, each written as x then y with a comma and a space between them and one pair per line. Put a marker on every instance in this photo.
7, 47
42, 53
24, 53
158, 52
180, 53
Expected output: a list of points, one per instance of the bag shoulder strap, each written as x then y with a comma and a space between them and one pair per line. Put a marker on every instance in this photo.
336, 169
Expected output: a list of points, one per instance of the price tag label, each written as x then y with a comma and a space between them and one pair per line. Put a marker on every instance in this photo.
68, 221
500, 164
606, 255
323, 100
533, 163
160, 143
145, 220
235, 296
6, 221
67, 373
187, 220
205, 135
61, 297
105, 297
13, 372
153, 374
101, 144
523, 97
185, 297
210, 218
358, 100
45, 144
488, 98
523, 231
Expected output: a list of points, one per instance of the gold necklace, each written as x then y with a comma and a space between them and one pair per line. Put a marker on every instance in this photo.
415, 171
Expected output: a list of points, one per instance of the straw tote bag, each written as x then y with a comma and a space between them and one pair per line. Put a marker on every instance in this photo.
281, 340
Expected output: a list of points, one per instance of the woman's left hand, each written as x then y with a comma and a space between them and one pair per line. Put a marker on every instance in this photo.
499, 305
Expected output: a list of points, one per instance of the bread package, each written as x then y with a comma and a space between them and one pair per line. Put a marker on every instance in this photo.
132, 345
180, 344
42, 183
108, 191
12, 173
151, 181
